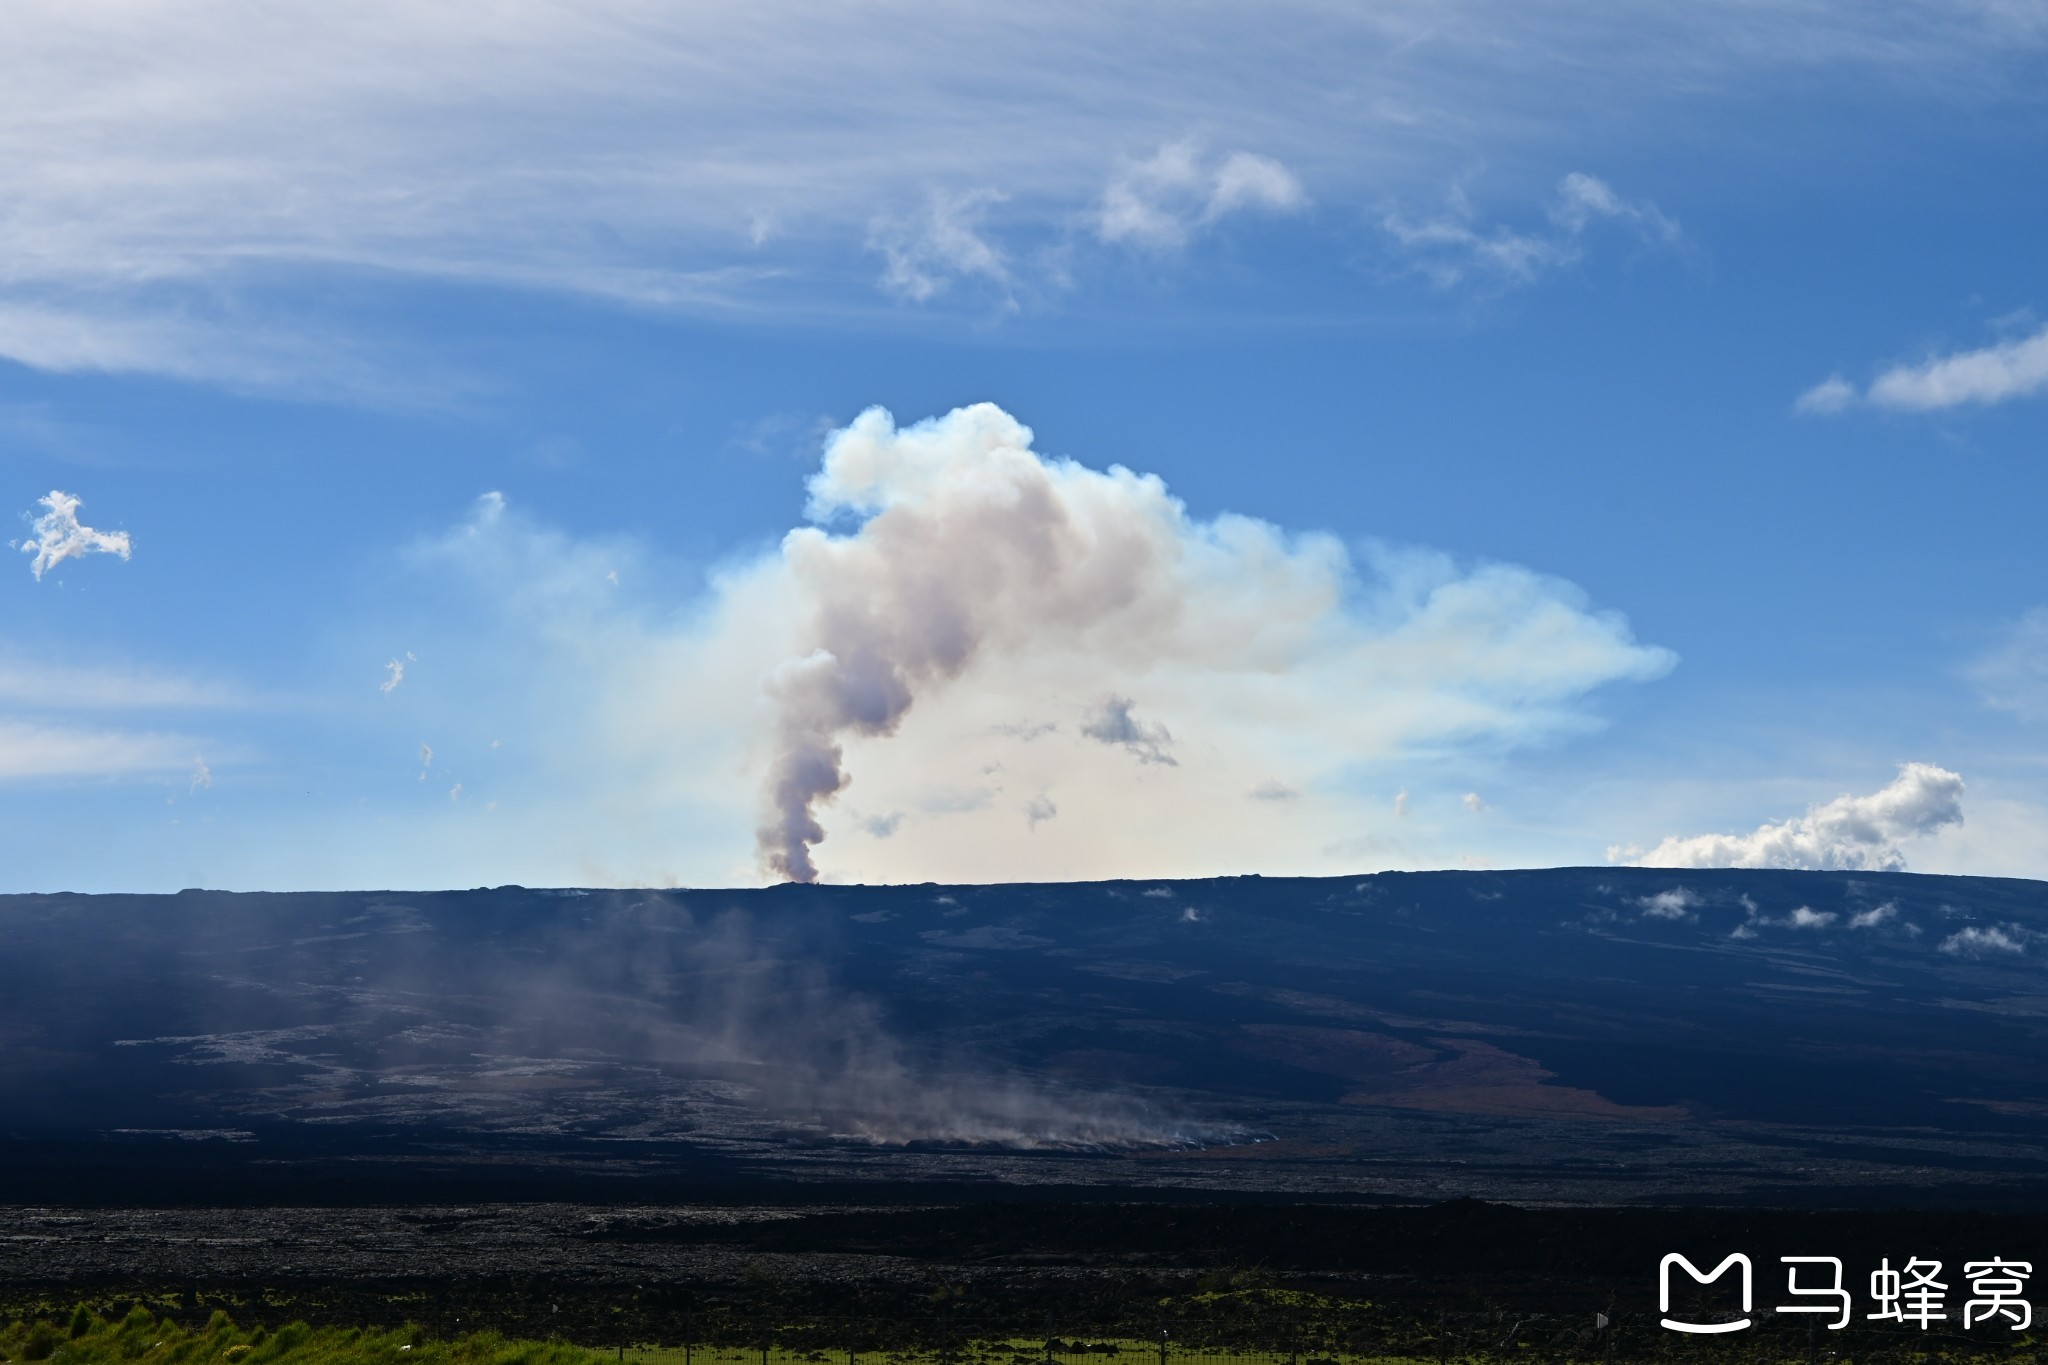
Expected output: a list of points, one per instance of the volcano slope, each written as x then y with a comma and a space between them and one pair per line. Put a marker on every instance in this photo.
1598, 1036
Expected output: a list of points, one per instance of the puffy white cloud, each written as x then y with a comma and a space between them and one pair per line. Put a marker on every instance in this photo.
202, 776
1849, 833
1452, 248
59, 536
394, 674
1677, 903
1985, 940
1166, 198
976, 563
1990, 374
1877, 914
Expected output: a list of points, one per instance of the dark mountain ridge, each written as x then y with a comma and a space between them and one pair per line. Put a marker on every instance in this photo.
1584, 1035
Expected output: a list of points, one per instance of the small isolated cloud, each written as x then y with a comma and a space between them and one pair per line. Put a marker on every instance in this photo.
1876, 915
202, 776
394, 674
2014, 674
1162, 893
882, 826
1990, 374
1273, 790
59, 535
455, 793
1113, 723
1164, 200
1677, 903
1401, 804
1849, 833
1977, 941
1832, 395
426, 760
1473, 802
1806, 917
927, 254
1453, 248
1039, 809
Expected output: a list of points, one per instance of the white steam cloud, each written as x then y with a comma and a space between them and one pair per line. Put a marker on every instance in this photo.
59, 536
1849, 833
973, 553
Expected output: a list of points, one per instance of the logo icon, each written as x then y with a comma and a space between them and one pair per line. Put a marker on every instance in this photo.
1664, 1291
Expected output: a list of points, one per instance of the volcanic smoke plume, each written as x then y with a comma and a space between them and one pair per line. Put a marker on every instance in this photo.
965, 550
972, 545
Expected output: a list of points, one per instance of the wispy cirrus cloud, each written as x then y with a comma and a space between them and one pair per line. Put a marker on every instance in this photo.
1452, 247
1988, 375
1180, 190
29, 750
162, 160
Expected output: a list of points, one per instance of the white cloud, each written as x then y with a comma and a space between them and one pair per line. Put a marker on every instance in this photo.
1452, 248
31, 751
202, 776
1165, 199
1978, 941
394, 674
1832, 395
2013, 674
977, 565
1677, 903
929, 253
1990, 374
54, 686
1806, 917
959, 580
1474, 803
59, 536
1849, 833
1876, 915
725, 158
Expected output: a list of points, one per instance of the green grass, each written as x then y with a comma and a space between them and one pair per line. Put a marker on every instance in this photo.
141, 1338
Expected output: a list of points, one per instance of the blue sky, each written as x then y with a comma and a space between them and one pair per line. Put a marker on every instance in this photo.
1557, 435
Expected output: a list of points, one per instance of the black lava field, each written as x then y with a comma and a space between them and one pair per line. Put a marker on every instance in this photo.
1577, 1036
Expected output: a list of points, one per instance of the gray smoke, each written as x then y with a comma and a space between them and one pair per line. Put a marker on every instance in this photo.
968, 554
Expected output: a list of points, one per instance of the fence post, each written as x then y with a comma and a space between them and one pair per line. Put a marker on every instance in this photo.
1162, 1346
